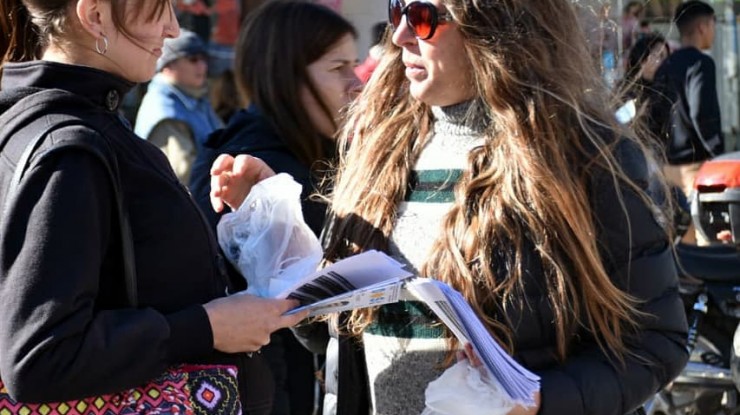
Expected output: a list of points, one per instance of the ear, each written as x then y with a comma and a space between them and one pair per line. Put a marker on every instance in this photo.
91, 16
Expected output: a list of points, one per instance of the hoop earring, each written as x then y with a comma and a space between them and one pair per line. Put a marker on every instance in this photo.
104, 49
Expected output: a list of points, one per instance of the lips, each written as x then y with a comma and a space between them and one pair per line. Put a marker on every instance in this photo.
409, 65
415, 72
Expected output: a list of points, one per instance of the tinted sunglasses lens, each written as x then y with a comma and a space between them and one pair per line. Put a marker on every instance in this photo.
395, 12
422, 19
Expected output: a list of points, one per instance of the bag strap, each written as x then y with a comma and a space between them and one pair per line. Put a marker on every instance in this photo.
110, 162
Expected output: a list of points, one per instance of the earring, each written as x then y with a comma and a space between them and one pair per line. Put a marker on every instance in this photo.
104, 49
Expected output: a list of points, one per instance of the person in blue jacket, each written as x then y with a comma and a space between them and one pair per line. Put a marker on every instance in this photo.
176, 114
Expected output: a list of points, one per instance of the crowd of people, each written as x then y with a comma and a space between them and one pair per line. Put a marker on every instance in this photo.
477, 144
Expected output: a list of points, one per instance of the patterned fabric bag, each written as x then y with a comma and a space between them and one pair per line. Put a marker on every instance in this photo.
182, 390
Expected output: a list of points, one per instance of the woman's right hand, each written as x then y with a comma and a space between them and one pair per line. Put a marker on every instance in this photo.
233, 177
243, 322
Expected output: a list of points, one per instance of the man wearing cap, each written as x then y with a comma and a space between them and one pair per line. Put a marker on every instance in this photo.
175, 114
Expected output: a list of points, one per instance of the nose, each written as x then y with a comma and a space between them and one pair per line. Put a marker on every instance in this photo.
402, 35
172, 27
354, 85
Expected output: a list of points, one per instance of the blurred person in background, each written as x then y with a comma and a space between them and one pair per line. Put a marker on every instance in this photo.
631, 17
295, 96
224, 97
637, 90
688, 109
195, 15
226, 22
175, 113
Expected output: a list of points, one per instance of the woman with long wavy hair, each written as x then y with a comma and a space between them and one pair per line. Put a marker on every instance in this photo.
483, 153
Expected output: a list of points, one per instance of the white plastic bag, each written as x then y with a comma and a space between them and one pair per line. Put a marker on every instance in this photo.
267, 239
462, 390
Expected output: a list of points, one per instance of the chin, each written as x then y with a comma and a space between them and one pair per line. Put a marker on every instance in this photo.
420, 93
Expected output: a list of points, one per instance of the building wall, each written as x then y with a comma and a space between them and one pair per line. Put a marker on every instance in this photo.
364, 14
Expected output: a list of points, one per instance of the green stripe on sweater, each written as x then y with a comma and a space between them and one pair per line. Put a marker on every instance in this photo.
433, 186
406, 320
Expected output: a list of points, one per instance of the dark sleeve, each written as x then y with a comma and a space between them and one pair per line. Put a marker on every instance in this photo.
641, 263
58, 339
701, 92
659, 99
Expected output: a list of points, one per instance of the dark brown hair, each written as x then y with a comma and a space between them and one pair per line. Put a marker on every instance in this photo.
29, 25
277, 43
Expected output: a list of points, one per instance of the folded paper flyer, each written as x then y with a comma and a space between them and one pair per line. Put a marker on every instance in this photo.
363, 280
373, 278
451, 307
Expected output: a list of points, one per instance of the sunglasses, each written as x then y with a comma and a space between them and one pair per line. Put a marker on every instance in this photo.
422, 17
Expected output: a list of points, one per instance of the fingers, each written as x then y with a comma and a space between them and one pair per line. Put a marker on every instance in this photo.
289, 320
219, 180
223, 163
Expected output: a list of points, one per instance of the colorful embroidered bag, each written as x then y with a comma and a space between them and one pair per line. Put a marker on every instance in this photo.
181, 390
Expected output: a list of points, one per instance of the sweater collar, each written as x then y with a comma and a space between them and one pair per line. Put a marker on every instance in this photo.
102, 88
467, 118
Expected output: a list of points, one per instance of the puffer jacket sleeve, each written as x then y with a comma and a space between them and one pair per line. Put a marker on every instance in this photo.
640, 261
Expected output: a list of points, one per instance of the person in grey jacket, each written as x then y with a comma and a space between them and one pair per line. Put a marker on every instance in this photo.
483, 153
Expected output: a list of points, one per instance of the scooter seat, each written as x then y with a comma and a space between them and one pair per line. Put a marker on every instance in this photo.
709, 263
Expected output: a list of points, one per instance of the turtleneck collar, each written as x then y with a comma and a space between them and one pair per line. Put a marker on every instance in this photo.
100, 87
467, 118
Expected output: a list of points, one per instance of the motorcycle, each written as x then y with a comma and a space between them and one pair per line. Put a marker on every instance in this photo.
710, 287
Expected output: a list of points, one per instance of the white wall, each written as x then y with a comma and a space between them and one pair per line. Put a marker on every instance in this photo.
364, 14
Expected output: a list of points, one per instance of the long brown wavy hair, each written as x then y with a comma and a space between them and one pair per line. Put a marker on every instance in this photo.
548, 108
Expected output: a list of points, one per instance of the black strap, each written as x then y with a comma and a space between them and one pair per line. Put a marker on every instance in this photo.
111, 164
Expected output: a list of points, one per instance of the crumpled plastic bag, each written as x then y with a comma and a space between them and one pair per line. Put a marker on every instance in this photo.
267, 239
463, 390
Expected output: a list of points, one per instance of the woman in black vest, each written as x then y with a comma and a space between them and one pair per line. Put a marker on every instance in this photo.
66, 329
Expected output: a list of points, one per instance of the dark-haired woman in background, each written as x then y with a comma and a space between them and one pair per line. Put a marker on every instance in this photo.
636, 90
295, 68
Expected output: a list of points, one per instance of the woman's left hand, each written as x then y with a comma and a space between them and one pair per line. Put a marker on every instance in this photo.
233, 177
532, 410
469, 353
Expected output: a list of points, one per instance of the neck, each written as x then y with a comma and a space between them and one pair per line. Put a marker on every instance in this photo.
75, 54
694, 41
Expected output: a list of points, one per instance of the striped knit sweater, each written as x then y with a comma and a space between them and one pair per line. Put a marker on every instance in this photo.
404, 346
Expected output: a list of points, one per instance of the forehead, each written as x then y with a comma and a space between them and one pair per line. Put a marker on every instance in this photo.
343, 49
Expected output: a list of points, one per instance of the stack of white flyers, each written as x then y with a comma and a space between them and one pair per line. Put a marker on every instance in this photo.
451, 307
363, 280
